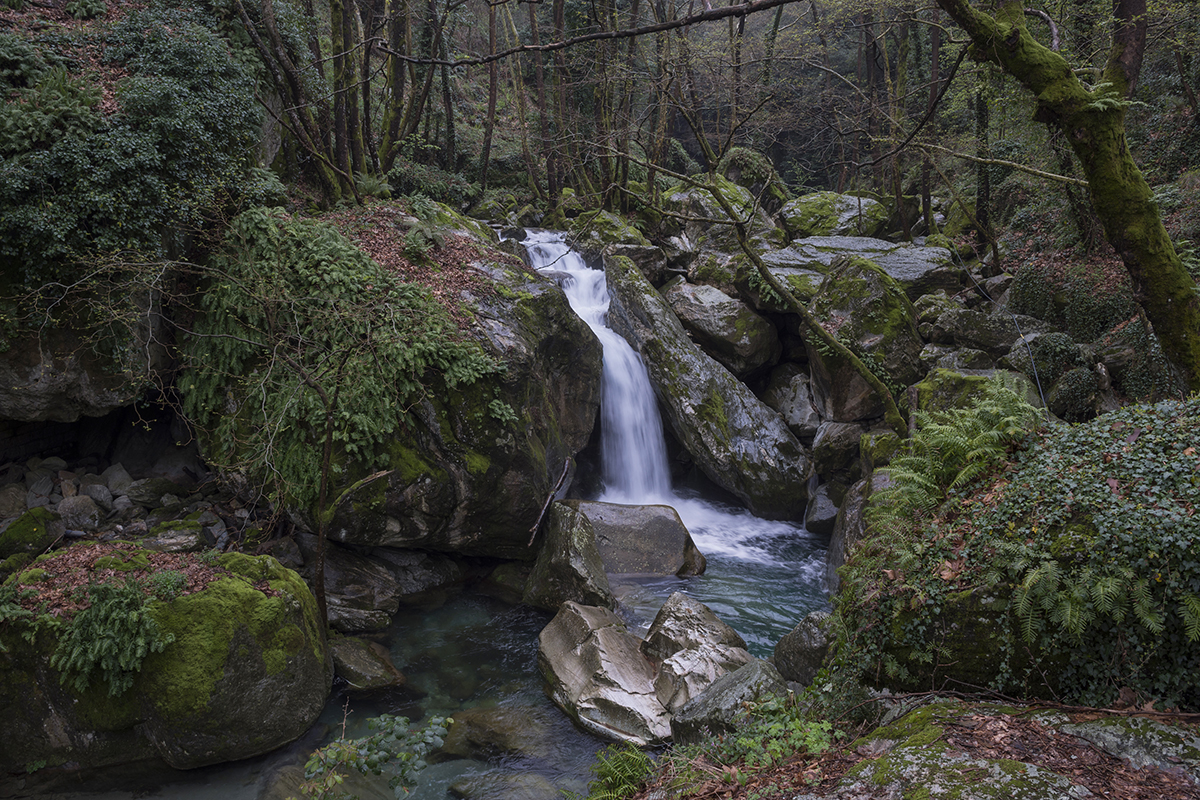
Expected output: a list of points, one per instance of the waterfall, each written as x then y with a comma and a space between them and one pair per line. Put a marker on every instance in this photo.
633, 452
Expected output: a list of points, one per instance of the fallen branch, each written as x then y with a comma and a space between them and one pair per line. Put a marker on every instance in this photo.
549, 499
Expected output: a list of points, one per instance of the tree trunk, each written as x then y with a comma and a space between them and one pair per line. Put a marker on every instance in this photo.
489, 122
1093, 122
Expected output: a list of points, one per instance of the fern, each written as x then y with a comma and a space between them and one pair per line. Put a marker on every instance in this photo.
620, 772
114, 634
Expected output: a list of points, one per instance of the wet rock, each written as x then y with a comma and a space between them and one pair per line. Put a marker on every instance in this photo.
485, 733
365, 666
821, 514
698, 205
642, 540
850, 526
693, 648
725, 328
419, 574
835, 448
595, 671
360, 594
650, 261
510, 786
569, 565
739, 442
718, 707
801, 653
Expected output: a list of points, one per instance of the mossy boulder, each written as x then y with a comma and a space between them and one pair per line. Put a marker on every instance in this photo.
471, 473
738, 441
698, 207
944, 389
920, 270
754, 171
32, 532
569, 566
724, 327
592, 230
872, 315
248, 671
833, 214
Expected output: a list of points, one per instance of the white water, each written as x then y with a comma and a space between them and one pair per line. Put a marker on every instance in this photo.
633, 451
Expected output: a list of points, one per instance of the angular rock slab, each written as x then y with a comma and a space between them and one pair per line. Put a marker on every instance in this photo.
739, 442
718, 707
569, 565
724, 327
920, 270
595, 671
800, 654
640, 540
693, 648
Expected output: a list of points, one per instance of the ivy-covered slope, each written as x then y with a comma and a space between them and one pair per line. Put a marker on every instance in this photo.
1073, 572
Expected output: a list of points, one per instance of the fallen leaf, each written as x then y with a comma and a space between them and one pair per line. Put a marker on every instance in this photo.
1115, 485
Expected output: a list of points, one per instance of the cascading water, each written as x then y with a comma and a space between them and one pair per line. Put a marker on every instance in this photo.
763, 575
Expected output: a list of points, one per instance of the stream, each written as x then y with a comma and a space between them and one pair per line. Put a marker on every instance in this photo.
473, 650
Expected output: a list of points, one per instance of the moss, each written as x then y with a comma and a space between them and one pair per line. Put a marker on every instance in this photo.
30, 576
28, 532
712, 411
123, 562
14, 563
182, 678
186, 524
410, 465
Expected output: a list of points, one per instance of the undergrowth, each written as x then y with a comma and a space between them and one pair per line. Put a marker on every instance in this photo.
393, 749
1089, 537
302, 335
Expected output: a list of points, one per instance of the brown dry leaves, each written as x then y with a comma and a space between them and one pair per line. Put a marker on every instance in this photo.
62, 592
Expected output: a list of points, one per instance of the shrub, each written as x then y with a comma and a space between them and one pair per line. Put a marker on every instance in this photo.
394, 748
620, 770
87, 9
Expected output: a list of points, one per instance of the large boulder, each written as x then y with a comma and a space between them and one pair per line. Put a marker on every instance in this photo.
724, 327
833, 214
473, 471
994, 334
640, 540
698, 206
484, 733
918, 269
692, 647
595, 671
360, 594
801, 653
873, 317
739, 442
248, 671
569, 566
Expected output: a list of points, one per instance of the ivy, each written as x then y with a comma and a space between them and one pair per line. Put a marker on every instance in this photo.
393, 748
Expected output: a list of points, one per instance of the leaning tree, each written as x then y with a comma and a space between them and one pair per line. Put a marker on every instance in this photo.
1092, 119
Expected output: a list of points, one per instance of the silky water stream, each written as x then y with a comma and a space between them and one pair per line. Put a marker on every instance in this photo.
472, 650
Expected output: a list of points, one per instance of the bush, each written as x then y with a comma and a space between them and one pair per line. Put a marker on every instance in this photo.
451, 188
180, 143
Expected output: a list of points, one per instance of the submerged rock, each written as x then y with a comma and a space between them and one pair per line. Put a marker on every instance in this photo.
739, 442
365, 666
484, 733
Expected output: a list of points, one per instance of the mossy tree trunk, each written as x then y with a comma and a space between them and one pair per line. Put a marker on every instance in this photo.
1093, 122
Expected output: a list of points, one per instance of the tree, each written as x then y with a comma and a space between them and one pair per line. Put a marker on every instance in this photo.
1092, 120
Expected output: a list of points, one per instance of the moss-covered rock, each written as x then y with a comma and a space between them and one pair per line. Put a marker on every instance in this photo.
698, 207
944, 389
248, 670
32, 532
754, 171
833, 214
592, 230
